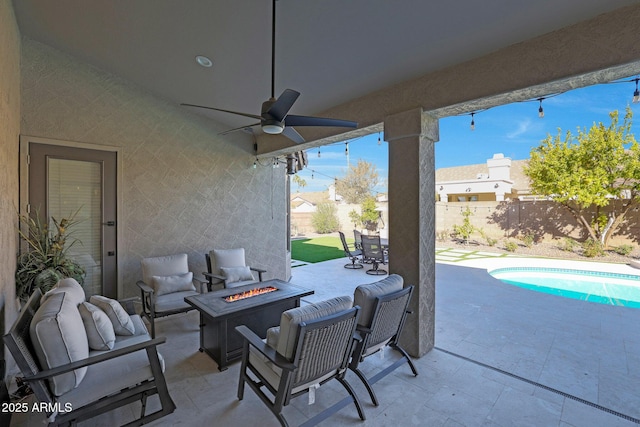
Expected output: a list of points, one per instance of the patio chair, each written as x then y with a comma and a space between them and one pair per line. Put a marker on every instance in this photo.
166, 281
384, 307
357, 236
51, 342
229, 268
311, 346
352, 255
372, 251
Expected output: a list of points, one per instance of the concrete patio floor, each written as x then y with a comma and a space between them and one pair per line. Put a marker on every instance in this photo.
504, 356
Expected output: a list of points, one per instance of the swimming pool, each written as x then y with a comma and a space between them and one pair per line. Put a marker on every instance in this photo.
595, 286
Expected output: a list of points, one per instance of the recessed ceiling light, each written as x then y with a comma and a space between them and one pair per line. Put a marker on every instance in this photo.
204, 61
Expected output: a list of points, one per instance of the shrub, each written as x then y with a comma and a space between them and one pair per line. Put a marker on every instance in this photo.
528, 239
623, 249
510, 246
325, 218
443, 235
465, 230
491, 241
592, 248
568, 244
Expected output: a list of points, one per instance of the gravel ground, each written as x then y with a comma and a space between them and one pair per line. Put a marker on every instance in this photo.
542, 249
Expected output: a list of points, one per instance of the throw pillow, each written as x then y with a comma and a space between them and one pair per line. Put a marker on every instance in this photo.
122, 323
99, 328
70, 286
169, 284
236, 274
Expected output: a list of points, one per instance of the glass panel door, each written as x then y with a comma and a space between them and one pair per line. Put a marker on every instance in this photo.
75, 187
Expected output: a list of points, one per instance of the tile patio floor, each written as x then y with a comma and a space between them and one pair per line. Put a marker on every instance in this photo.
504, 356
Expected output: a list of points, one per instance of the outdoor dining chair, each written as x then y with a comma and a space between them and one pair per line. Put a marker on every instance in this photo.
373, 252
352, 255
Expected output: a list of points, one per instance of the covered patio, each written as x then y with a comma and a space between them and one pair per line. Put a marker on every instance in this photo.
503, 356
83, 76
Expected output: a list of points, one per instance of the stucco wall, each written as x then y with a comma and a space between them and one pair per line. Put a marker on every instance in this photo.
185, 189
9, 135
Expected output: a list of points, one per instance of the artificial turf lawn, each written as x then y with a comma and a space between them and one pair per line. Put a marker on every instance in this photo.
317, 249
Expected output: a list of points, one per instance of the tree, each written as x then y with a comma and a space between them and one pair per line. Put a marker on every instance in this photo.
369, 216
300, 182
358, 183
325, 218
589, 171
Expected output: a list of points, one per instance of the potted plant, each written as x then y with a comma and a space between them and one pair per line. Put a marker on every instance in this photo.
46, 259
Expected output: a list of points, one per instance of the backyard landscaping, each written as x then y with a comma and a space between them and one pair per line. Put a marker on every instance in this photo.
317, 249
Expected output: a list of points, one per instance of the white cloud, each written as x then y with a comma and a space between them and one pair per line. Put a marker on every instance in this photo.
523, 127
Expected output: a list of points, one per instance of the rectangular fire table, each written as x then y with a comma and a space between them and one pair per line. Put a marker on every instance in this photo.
218, 317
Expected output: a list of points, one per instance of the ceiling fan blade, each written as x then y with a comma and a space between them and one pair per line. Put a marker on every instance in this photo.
293, 135
293, 120
253, 116
236, 129
283, 104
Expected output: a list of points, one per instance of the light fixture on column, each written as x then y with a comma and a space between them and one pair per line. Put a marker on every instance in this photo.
636, 93
291, 164
540, 110
473, 123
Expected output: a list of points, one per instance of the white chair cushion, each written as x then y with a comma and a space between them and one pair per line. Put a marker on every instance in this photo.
58, 336
122, 324
365, 295
99, 328
290, 320
236, 274
163, 266
168, 284
75, 290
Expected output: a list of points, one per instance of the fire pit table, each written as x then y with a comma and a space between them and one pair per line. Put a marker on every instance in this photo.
258, 305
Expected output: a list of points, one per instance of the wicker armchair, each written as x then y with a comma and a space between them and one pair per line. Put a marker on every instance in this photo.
311, 346
384, 306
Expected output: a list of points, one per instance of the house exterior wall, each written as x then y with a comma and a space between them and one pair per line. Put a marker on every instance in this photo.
185, 189
9, 137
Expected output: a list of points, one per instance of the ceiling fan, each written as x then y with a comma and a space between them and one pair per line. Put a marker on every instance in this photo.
274, 117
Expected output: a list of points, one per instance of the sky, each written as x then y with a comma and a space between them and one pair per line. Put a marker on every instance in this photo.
512, 129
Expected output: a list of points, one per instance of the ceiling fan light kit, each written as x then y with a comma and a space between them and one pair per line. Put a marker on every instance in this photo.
275, 118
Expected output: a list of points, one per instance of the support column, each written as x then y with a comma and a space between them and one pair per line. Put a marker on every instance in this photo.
411, 136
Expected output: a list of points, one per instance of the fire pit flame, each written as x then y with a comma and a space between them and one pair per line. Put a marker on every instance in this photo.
250, 293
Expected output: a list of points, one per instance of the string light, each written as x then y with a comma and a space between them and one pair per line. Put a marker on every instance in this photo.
636, 93
473, 123
540, 110
318, 152
255, 163
346, 149
379, 140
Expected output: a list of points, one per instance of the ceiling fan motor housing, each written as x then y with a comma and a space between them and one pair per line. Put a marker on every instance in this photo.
269, 123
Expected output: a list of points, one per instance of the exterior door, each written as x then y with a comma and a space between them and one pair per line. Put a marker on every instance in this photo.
64, 180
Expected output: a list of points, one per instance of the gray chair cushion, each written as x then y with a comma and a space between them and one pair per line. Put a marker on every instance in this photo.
174, 301
365, 295
59, 338
290, 320
163, 266
99, 328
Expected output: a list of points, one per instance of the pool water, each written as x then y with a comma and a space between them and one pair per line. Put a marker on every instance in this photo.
593, 286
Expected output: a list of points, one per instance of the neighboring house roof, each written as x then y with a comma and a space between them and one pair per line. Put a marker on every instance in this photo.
468, 172
313, 197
